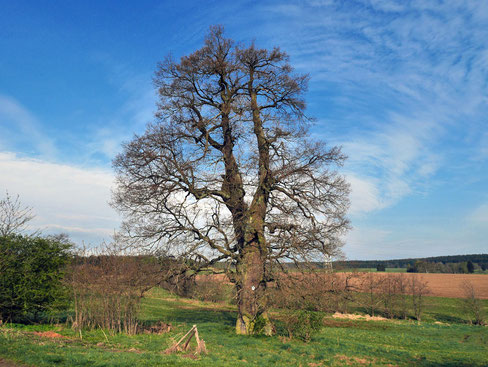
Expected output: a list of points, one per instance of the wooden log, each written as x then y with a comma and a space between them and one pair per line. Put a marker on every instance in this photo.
201, 348
175, 347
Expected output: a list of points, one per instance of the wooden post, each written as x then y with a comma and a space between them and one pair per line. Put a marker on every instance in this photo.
201, 348
200, 343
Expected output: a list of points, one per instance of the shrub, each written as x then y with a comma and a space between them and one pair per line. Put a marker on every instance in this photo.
303, 324
107, 289
371, 285
418, 288
327, 292
472, 305
31, 273
209, 289
389, 289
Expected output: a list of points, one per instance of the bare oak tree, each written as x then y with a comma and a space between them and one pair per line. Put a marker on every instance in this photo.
229, 173
13, 216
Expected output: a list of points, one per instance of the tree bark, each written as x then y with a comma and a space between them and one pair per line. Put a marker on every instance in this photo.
251, 269
251, 292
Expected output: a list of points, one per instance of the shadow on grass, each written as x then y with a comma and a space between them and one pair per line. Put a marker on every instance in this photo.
448, 318
197, 316
451, 363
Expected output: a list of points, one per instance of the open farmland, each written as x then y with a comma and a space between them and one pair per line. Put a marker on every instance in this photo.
448, 285
342, 342
440, 285
451, 285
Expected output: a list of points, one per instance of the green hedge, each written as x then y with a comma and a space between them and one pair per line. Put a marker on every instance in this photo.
31, 273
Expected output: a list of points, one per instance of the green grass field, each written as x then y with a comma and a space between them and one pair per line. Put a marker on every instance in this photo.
340, 343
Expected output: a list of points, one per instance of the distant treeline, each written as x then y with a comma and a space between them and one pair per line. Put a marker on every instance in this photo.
480, 259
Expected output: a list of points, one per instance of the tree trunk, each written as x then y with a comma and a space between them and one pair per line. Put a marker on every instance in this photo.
251, 292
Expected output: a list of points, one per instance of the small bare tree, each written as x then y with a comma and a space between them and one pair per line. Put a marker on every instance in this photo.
371, 285
472, 305
418, 288
327, 292
107, 286
13, 215
229, 171
389, 294
402, 287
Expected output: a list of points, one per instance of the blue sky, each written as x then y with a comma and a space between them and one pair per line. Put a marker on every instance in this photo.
401, 85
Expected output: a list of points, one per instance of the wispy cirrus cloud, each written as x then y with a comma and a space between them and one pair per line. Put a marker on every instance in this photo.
401, 79
394, 161
131, 116
19, 127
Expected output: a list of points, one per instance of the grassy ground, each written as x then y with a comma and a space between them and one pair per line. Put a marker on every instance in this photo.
440, 309
340, 343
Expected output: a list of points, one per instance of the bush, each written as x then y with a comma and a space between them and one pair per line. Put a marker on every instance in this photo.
418, 288
107, 289
371, 285
472, 305
31, 273
392, 294
209, 289
327, 292
303, 324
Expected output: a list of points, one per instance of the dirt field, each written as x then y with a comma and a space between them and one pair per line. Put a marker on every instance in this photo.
450, 285
440, 285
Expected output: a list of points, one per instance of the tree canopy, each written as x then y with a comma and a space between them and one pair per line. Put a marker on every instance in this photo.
229, 171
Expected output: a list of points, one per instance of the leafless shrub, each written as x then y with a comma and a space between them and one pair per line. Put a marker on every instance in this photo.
472, 305
13, 216
393, 291
371, 285
418, 289
210, 289
177, 277
107, 288
327, 292
402, 296
392, 294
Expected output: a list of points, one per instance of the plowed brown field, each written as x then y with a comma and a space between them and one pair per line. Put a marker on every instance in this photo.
440, 285
451, 285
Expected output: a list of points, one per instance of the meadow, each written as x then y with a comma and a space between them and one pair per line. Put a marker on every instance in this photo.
443, 339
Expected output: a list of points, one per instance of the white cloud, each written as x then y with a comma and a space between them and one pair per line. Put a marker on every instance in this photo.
389, 163
18, 125
365, 196
408, 86
65, 198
